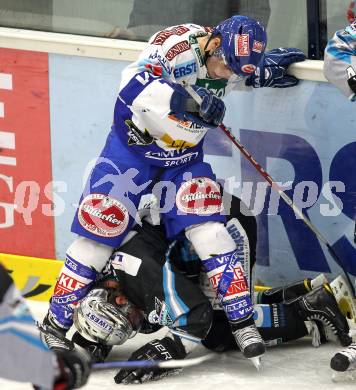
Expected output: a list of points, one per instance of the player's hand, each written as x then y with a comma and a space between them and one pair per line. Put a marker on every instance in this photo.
212, 109
209, 112
272, 70
163, 350
74, 367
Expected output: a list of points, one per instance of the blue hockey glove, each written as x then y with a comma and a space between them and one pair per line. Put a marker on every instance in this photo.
210, 113
272, 70
212, 108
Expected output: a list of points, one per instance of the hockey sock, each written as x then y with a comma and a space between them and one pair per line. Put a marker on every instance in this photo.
227, 277
73, 284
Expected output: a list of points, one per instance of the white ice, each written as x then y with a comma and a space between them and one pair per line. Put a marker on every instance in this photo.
296, 365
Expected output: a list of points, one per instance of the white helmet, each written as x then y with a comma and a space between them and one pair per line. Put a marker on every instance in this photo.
103, 322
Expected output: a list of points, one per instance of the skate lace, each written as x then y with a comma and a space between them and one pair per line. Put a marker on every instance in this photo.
350, 353
247, 336
324, 320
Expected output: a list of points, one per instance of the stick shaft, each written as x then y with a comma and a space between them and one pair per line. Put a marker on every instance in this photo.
154, 363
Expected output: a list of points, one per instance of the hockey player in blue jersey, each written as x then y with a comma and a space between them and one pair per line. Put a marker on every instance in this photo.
340, 61
155, 146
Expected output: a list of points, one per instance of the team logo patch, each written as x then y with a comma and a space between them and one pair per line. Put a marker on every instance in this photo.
161, 314
242, 45
248, 68
199, 196
103, 215
178, 48
257, 46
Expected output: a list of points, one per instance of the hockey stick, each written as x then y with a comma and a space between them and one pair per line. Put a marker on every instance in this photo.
154, 363
274, 185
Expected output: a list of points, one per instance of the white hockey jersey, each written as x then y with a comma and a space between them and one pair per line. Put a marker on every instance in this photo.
340, 60
143, 118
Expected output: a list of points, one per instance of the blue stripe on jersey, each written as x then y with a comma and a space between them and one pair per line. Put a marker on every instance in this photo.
135, 86
28, 319
340, 55
179, 308
10, 328
26, 337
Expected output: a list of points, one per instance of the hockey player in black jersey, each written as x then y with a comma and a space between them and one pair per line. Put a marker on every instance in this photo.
150, 283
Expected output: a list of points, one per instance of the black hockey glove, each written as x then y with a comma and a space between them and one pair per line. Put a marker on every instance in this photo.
163, 350
74, 369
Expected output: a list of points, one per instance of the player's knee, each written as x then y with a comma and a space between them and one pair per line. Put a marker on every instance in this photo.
210, 238
90, 253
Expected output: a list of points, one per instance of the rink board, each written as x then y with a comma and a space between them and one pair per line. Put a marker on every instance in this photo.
304, 135
34, 277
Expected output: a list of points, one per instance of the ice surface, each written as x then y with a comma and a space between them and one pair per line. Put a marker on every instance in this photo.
296, 365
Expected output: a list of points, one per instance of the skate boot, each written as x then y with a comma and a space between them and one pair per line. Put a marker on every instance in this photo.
53, 336
97, 351
320, 305
249, 340
345, 359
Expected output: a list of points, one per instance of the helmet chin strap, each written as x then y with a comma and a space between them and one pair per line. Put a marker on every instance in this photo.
206, 52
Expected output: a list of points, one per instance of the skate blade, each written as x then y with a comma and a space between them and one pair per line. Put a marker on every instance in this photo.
344, 376
257, 362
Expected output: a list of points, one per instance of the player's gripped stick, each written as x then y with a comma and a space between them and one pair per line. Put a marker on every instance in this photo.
274, 185
154, 363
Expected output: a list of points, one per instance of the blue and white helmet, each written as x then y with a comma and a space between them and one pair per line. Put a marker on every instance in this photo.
243, 42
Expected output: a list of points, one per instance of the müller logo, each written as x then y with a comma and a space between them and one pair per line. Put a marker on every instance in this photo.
103, 215
97, 213
201, 195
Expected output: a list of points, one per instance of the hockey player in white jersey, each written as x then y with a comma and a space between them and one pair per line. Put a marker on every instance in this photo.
340, 61
23, 357
155, 145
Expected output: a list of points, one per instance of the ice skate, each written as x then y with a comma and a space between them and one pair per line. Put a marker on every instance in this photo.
250, 342
53, 336
320, 305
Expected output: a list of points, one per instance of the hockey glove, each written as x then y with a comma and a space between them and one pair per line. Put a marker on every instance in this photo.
74, 367
163, 350
210, 113
272, 70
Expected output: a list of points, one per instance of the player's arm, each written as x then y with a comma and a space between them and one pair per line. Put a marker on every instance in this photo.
152, 96
23, 356
340, 61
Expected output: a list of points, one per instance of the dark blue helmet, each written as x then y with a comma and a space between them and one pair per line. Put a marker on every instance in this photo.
243, 42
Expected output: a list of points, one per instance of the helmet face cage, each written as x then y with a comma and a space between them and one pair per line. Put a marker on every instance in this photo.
243, 41
102, 322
